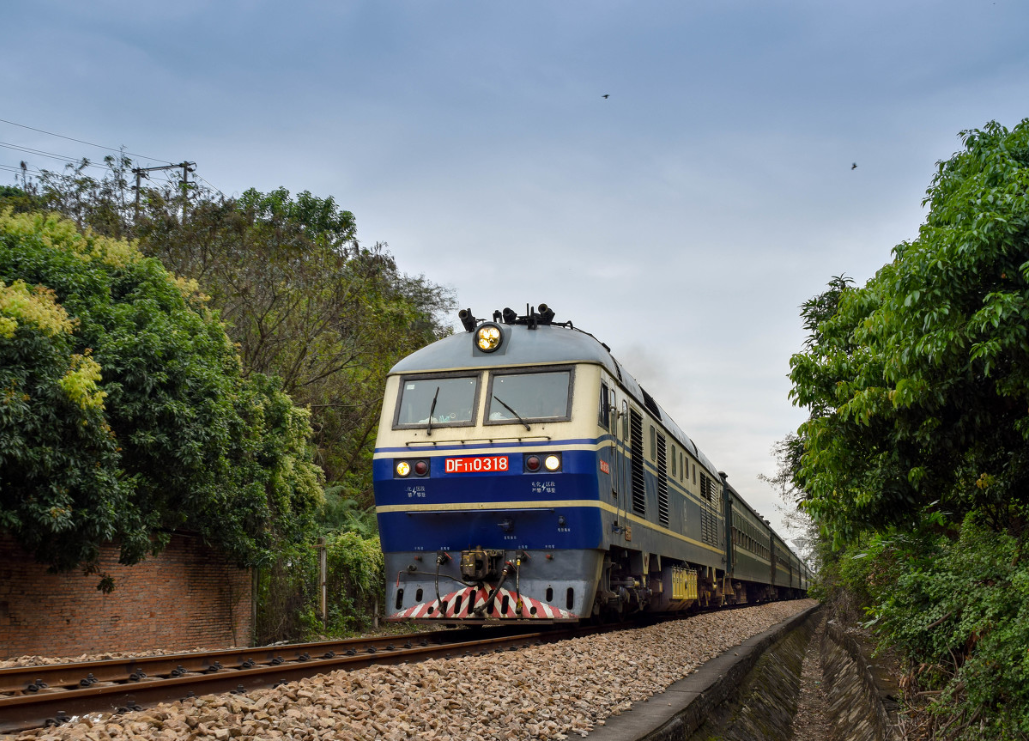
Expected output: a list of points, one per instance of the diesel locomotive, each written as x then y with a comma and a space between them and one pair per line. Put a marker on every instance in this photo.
522, 474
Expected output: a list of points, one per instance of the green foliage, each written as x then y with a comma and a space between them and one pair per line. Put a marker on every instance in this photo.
918, 383
18, 200
915, 461
305, 302
957, 602
125, 413
339, 514
288, 596
302, 298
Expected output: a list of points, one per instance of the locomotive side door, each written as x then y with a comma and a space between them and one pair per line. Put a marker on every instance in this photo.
617, 465
730, 546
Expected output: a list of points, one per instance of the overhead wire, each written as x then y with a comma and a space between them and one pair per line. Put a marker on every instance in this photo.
18, 170
83, 141
209, 183
67, 160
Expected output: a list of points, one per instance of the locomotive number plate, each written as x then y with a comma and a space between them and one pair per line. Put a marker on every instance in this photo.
479, 464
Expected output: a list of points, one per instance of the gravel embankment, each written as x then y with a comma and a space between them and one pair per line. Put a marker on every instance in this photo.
543, 692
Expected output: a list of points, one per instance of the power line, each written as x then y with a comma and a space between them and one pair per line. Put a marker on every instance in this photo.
18, 170
51, 155
82, 141
209, 183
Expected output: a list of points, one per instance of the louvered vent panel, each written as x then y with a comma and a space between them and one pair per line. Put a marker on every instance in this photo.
708, 526
662, 481
706, 488
639, 493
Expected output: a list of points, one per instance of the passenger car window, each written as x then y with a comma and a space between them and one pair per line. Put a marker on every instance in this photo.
529, 396
454, 401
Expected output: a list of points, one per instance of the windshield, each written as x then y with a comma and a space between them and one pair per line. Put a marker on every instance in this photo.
454, 402
530, 396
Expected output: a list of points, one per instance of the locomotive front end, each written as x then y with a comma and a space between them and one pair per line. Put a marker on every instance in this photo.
485, 477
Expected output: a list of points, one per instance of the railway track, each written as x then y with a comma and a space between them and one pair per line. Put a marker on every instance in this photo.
36, 696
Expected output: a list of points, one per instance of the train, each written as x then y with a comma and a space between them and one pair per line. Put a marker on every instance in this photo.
522, 474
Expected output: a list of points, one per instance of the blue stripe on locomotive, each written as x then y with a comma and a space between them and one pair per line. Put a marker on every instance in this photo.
433, 529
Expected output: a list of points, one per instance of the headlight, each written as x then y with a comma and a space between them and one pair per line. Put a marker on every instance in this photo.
418, 469
552, 462
488, 337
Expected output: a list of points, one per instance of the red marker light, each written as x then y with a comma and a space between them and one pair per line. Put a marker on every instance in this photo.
532, 463
421, 468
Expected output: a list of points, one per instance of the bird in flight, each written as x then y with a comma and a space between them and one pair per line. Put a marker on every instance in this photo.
605, 97
853, 166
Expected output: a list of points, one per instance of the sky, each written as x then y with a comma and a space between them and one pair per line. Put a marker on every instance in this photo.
682, 220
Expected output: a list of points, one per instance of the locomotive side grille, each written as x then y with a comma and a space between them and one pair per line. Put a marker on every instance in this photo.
639, 495
662, 481
708, 526
706, 488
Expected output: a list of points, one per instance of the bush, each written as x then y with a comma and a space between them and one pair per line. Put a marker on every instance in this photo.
124, 414
289, 599
956, 602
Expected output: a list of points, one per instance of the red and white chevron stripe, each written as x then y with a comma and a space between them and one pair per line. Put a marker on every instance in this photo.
460, 604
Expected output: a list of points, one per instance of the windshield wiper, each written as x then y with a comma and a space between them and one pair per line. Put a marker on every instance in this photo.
428, 427
508, 408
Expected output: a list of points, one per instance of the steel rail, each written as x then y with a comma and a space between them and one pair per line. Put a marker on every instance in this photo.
19, 679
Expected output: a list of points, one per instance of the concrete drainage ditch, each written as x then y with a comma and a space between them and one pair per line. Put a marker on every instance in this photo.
750, 693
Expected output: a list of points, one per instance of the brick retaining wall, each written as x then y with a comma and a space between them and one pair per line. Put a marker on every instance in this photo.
189, 596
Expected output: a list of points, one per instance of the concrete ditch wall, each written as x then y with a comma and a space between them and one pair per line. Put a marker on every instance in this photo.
861, 695
766, 700
750, 693
708, 694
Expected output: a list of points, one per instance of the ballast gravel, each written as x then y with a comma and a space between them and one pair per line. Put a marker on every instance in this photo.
544, 692
50, 660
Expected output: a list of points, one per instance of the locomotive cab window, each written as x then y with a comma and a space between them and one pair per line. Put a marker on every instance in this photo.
520, 397
445, 400
605, 406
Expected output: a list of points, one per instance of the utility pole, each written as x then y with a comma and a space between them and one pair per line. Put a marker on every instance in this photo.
323, 578
187, 167
144, 172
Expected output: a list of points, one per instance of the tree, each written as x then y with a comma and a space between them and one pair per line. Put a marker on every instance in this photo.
800, 528
18, 199
306, 302
125, 414
915, 460
918, 383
